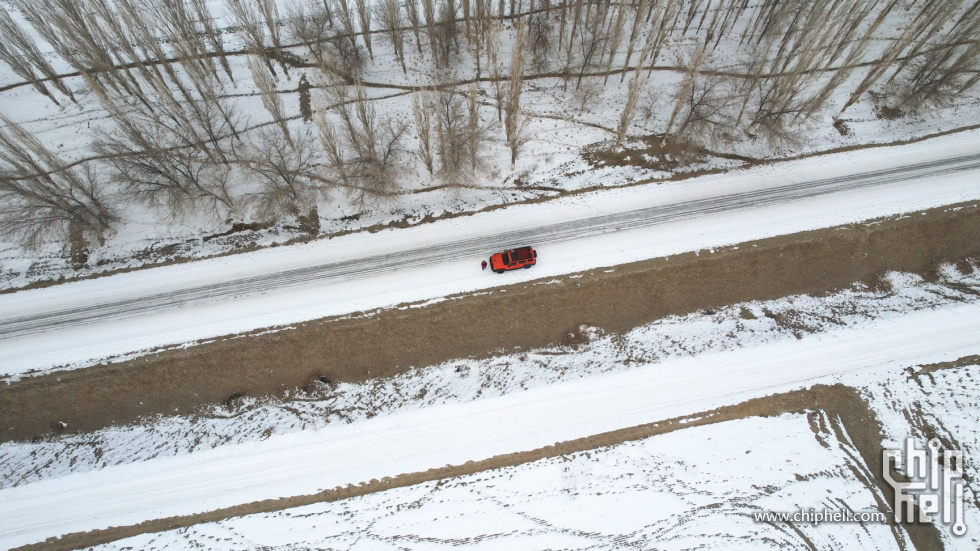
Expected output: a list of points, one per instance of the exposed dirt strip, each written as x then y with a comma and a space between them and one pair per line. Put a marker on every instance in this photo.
520, 316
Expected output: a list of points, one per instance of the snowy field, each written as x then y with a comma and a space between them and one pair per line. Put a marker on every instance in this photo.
698, 487
694, 488
871, 340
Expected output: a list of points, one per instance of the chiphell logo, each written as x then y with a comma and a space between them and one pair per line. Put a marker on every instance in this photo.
936, 478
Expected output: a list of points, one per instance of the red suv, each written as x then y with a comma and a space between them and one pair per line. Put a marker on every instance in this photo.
521, 257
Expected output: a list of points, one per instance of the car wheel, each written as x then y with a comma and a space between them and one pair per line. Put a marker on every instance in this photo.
499, 271
528, 266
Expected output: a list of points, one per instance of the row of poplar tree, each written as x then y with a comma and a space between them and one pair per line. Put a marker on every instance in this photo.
176, 137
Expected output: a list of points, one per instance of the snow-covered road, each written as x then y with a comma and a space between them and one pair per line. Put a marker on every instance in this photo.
437, 252
77, 323
412, 441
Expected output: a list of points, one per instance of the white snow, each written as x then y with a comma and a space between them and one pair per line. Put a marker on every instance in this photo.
80, 346
453, 433
691, 488
662, 491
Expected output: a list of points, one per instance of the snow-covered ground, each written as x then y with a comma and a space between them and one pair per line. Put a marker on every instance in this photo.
252, 420
695, 488
566, 123
698, 487
680, 366
268, 307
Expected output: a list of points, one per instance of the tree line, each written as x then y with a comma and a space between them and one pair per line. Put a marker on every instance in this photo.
177, 138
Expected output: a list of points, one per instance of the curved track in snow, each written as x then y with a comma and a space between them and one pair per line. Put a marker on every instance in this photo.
473, 247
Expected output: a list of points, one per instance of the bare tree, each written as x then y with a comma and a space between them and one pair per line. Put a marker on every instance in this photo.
126, 29
346, 60
477, 133
178, 159
68, 28
497, 85
270, 96
636, 85
762, 18
346, 17
928, 13
422, 114
364, 18
941, 65
22, 68
850, 49
140, 44
615, 34
938, 17
429, 10
587, 95
461, 136
134, 46
593, 39
563, 21
635, 28
366, 152
42, 198
180, 28
309, 22
694, 67
210, 33
515, 122
270, 15
451, 130
412, 11
389, 11
724, 16
445, 34
465, 5
708, 115
570, 49
797, 43
348, 53
333, 147
287, 174
249, 21
478, 27
698, 11
20, 52
202, 120
664, 15
540, 40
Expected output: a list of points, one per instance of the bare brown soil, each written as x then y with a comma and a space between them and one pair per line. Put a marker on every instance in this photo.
654, 153
514, 317
846, 410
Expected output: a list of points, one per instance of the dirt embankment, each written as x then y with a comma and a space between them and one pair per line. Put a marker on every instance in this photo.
518, 316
